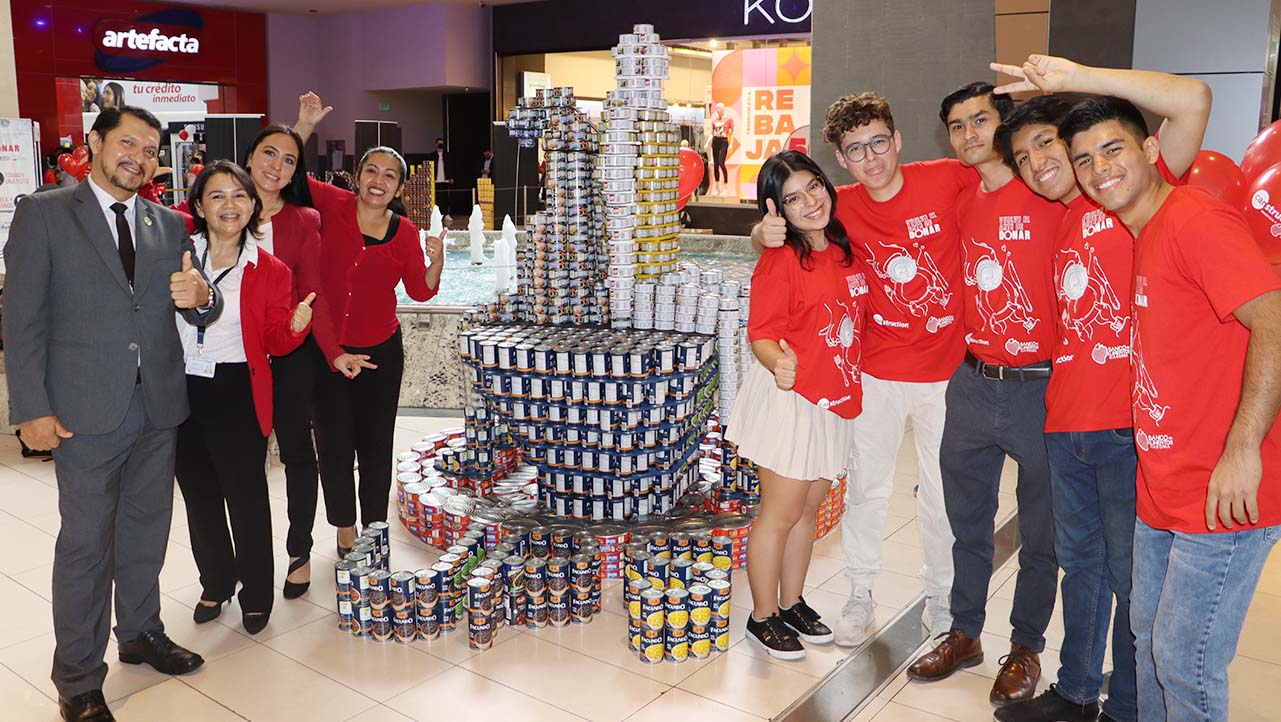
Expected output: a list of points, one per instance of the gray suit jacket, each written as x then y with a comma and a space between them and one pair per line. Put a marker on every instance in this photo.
74, 330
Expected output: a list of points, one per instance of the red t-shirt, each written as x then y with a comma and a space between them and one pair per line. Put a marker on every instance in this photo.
820, 314
359, 280
913, 248
1195, 263
1093, 276
1007, 247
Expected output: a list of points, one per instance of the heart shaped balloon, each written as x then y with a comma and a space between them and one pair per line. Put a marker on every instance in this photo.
691, 176
81, 153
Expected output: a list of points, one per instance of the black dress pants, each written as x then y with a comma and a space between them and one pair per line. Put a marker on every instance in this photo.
356, 422
221, 469
296, 383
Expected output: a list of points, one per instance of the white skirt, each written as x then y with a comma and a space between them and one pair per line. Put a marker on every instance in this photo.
786, 433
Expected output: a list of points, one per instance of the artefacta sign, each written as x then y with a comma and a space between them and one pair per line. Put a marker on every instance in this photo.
129, 45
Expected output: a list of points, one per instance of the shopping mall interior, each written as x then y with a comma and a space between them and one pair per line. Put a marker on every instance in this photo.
569, 506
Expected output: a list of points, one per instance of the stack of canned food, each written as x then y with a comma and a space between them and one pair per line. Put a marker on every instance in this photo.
525, 121
612, 420
677, 593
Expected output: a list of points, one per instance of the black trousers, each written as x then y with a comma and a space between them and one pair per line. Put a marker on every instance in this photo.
297, 383
221, 470
356, 421
720, 147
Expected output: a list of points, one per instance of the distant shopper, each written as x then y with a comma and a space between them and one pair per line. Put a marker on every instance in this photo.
793, 416
223, 444
487, 164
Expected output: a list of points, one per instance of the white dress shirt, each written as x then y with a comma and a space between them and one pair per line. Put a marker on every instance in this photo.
440, 166
106, 201
265, 240
224, 338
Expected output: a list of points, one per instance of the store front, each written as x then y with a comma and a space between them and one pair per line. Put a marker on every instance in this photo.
188, 66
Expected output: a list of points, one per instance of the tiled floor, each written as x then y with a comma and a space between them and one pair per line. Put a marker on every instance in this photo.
302, 667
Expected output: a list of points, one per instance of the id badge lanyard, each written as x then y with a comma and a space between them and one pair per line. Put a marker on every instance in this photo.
204, 257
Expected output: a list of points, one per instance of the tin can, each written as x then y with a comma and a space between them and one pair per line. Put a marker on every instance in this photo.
362, 622
660, 545
651, 645
536, 613
581, 573
676, 645
425, 590
535, 575
699, 571
381, 631
562, 541
382, 532
702, 546
580, 607
676, 608
631, 595
719, 631
723, 552
720, 597
402, 592
652, 607
360, 586
404, 630
480, 595
540, 541
682, 546
659, 568
345, 616
428, 622
379, 589
680, 572
480, 631
342, 580
370, 553
700, 641
700, 604
557, 571
558, 611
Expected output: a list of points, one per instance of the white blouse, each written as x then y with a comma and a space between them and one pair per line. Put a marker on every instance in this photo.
224, 338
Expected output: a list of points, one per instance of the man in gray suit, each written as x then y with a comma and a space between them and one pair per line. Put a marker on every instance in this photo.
96, 373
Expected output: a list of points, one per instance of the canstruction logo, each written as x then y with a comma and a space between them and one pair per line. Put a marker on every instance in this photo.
1263, 204
131, 45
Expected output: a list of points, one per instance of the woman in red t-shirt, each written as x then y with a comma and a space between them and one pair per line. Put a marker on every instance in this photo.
805, 326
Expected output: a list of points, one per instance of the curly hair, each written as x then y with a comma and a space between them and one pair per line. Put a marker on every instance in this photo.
853, 111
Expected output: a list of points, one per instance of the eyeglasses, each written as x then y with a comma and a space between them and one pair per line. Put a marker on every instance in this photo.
857, 152
812, 191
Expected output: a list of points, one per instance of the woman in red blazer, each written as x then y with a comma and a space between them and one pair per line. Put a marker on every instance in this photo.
223, 444
289, 228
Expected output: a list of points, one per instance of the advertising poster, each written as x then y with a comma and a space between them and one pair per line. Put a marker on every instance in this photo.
19, 167
766, 92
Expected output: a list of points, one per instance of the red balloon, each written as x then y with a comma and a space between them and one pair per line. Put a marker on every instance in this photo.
1219, 175
1263, 152
196, 169
80, 153
78, 169
691, 176
1262, 212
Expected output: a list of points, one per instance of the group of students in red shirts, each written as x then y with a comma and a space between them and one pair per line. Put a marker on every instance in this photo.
1054, 296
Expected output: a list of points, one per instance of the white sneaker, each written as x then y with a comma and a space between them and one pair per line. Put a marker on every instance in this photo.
856, 618
937, 616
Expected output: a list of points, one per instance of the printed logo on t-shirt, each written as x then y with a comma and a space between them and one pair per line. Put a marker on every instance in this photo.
1095, 221
1086, 296
1141, 291
1001, 299
1145, 391
923, 225
841, 334
1014, 228
857, 283
911, 279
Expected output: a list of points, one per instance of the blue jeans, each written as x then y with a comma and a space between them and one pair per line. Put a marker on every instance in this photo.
1191, 594
1092, 477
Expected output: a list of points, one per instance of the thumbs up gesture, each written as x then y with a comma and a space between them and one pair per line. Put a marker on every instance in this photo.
302, 314
772, 230
187, 287
785, 367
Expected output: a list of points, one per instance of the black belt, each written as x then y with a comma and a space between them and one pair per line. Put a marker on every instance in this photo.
1009, 373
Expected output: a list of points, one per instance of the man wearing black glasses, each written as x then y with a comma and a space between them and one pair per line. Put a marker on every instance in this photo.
902, 219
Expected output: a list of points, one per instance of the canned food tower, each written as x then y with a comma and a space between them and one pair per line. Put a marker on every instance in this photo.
640, 167
420, 194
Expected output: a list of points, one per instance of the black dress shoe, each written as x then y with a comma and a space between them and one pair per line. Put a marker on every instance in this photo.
87, 707
158, 650
293, 590
206, 613
254, 622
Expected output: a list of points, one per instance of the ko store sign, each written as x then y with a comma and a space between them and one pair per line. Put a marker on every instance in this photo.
777, 11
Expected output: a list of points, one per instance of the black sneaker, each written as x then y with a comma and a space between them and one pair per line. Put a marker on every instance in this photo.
1048, 707
802, 618
776, 637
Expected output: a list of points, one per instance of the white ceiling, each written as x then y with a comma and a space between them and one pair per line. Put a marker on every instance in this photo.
325, 6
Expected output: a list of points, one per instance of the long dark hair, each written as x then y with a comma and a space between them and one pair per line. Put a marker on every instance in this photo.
769, 185
297, 192
242, 179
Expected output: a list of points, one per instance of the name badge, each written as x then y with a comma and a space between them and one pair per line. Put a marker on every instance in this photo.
201, 366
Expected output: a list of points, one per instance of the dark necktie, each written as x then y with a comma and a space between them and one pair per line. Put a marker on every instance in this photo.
126, 240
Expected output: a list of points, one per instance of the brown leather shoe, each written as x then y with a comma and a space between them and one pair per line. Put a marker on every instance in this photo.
1020, 670
955, 651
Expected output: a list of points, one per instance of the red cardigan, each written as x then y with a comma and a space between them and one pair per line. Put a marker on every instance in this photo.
295, 239
266, 311
358, 281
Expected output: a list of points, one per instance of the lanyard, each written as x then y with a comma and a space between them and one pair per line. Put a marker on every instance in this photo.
204, 257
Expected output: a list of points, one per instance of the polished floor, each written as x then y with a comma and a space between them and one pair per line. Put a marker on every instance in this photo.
302, 667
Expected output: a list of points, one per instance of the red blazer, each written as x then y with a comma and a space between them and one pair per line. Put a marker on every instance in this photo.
266, 310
